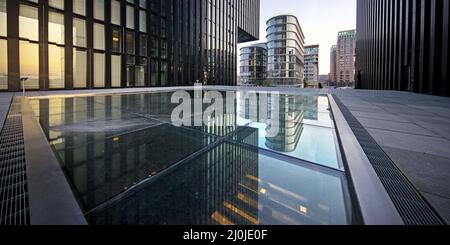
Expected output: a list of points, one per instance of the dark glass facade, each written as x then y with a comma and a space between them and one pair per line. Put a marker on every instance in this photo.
253, 65
76, 44
403, 45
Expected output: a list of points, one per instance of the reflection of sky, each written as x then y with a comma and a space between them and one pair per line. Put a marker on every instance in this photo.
316, 143
2, 20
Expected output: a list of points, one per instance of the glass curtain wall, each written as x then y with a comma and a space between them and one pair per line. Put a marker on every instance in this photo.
29, 45
3, 47
56, 49
99, 45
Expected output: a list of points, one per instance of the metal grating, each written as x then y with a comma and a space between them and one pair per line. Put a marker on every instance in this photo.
14, 207
412, 207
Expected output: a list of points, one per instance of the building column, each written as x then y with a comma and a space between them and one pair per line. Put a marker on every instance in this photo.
68, 26
13, 45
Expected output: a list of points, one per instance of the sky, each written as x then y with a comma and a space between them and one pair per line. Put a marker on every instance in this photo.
321, 20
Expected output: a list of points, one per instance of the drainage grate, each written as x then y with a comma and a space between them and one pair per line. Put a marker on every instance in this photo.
411, 206
14, 208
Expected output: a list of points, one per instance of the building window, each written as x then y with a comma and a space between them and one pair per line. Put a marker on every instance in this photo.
130, 17
163, 73
56, 28
79, 7
140, 76
99, 70
130, 70
56, 63
99, 36
58, 4
115, 12
154, 48
143, 4
116, 40
3, 64
142, 21
29, 63
116, 71
143, 45
130, 42
99, 9
3, 18
141, 72
28, 23
154, 72
79, 68
79, 33
3, 47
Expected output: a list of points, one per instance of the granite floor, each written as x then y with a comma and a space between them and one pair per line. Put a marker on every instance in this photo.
414, 130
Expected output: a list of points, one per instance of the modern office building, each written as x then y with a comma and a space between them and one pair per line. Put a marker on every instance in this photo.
253, 65
285, 41
345, 58
312, 66
332, 75
403, 45
76, 44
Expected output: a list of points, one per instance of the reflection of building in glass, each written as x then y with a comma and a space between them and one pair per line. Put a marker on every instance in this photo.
285, 42
310, 106
78, 44
290, 124
293, 109
253, 62
219, 187
231, 183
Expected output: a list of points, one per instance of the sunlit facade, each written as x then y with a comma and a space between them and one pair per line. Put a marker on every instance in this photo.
285, 42
312, 66
79, 44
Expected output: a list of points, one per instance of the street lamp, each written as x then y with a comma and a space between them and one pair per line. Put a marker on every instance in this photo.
23, 79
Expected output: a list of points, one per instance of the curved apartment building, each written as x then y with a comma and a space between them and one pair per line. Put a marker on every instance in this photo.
285, 42
253, 65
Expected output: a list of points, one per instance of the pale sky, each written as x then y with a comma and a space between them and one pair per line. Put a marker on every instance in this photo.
321, 20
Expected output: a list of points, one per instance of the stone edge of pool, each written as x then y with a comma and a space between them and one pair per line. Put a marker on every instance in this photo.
375, 205
51, 199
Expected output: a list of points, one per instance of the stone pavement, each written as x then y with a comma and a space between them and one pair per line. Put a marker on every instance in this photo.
414, 131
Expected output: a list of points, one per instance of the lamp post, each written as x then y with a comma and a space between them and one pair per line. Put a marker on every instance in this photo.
23, 79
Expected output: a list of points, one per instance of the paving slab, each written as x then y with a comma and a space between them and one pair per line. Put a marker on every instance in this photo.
403, 127
411, 142
428, 173
440, 204
414, 131
383, 115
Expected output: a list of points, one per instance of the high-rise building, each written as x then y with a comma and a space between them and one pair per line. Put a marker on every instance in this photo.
403, 45
253, 65
312, 66
75, 44
285, 41
332, 75
345, 58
